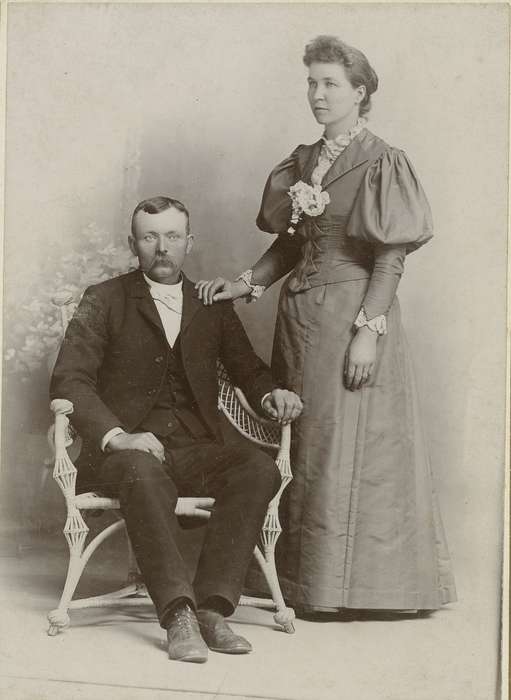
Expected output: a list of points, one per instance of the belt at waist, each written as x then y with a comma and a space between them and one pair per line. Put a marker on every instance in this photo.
329, 256
325, 275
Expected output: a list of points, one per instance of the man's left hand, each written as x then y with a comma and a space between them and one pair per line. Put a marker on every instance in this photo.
283, 406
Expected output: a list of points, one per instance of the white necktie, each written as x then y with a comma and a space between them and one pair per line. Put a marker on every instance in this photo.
171, 301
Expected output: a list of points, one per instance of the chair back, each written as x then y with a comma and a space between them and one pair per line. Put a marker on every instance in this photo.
67, 306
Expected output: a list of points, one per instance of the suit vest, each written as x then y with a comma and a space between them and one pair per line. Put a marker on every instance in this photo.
175, 414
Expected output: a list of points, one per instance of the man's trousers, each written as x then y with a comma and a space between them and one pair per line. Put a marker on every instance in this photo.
240, 477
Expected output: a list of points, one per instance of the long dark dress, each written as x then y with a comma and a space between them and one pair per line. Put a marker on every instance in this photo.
361, 523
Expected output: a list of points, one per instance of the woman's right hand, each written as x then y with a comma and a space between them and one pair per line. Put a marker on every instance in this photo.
360, 358
220, 289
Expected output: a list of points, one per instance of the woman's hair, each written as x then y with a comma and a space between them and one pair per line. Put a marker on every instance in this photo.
330, 49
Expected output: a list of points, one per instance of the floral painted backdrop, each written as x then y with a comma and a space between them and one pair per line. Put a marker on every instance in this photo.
67, 255
33, 328
33, 322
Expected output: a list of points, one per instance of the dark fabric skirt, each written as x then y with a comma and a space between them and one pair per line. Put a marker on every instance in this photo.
361, 525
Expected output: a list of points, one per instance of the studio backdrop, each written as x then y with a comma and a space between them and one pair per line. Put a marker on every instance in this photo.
110, 103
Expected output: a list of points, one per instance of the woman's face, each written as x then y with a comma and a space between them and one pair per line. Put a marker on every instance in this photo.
334, 102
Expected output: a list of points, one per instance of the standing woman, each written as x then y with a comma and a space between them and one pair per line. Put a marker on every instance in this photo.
361, 527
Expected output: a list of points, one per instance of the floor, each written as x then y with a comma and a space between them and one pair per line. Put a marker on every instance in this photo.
119, 654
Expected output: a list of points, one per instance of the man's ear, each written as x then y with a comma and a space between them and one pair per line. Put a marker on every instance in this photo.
132, 245
189, 243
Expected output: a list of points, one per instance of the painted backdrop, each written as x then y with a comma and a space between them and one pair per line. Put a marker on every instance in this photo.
108, 104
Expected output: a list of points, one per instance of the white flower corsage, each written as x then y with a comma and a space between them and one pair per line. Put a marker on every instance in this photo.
306, 199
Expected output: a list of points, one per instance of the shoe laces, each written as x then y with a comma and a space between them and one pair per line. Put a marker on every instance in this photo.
184, 618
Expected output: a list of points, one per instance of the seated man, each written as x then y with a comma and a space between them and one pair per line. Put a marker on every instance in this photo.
138, 361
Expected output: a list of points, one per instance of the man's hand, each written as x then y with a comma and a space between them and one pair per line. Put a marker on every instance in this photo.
283, 406
145, 442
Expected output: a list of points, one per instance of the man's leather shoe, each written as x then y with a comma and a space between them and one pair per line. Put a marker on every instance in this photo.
184, 638
219, 636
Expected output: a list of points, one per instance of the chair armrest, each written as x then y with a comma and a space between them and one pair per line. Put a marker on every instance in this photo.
248, 408
283, 459
64, 471
235, 407
264, 432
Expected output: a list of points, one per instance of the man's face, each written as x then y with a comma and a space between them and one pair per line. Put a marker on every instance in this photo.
161, 243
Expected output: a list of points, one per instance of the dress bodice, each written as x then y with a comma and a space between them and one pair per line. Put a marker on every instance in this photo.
375, 200
329, 255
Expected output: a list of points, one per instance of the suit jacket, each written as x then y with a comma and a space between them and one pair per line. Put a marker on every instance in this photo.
113, 359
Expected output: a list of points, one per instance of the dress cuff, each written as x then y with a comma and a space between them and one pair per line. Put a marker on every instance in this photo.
108, 436
378, 324
256, 290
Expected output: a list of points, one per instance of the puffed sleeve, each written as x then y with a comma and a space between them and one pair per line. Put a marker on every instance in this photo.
391, 207
274, 216
275, 211
391, 212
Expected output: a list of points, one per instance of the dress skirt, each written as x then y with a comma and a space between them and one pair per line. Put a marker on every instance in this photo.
361, 525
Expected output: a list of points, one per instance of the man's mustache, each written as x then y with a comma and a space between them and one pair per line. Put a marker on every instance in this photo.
158, 259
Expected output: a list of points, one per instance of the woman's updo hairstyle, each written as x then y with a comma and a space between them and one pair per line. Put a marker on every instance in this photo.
330, 49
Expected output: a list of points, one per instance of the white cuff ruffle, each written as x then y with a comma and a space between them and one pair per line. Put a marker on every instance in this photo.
378, 324
256, 290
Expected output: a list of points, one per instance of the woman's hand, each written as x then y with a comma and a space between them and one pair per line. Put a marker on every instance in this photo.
360, 358
219, 289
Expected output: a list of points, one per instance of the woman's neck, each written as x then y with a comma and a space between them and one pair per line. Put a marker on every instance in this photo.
332, 131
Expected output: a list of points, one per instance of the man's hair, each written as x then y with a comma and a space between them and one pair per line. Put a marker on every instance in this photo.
155, 205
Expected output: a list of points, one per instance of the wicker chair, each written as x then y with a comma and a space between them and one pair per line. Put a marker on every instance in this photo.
234, 406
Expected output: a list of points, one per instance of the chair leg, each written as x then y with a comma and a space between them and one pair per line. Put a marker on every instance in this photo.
284, 616
59, 618
269, 535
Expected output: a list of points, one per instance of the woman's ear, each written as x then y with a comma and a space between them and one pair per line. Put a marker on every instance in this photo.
362, 92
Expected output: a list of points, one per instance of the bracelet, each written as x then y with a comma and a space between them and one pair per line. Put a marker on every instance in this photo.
256, 290
378, 324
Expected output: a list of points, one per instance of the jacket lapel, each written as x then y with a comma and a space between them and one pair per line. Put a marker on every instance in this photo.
354, 155
307, 159
139, 290
191, 303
